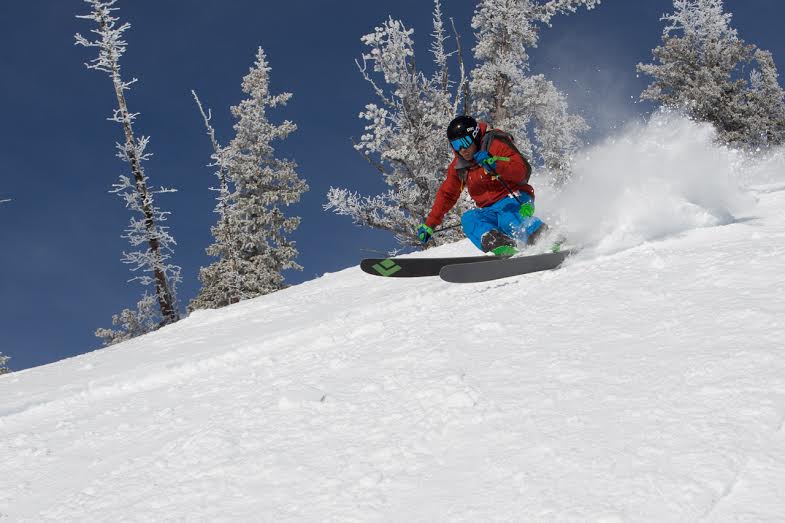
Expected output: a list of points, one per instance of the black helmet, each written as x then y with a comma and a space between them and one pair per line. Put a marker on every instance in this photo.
464, 126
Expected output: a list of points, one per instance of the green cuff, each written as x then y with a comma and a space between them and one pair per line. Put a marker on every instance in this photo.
421, 233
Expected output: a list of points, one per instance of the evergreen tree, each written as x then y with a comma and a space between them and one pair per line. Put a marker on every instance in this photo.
765, 101
695, 65
504, 94
4, 364
699, 69
145, 227
251, 235
404, 138
221, 281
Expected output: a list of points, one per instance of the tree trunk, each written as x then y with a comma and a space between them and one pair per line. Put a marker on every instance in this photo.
500, 97
163, 292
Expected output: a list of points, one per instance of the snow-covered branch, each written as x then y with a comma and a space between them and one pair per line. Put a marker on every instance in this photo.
545, 12
404, 132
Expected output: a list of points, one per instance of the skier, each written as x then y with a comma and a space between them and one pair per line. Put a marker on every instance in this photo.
496, 175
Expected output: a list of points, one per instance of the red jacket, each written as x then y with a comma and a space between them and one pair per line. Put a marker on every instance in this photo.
483, 189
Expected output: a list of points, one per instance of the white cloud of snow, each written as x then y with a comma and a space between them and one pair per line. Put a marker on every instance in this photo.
656, 179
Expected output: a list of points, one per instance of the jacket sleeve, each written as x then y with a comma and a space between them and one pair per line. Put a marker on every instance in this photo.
446, 196
515, 171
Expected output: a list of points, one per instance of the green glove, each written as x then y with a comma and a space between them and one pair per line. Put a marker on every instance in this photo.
424, 233
526, 210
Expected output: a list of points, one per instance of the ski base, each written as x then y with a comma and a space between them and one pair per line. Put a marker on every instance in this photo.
480, 272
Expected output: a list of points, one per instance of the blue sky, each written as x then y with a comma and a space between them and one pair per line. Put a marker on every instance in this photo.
60, 271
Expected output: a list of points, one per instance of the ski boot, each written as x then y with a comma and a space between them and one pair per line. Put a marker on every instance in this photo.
498, 243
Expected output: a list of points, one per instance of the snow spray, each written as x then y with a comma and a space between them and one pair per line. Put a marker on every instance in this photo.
657, 179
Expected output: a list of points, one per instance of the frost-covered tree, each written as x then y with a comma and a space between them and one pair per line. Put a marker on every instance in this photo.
404, 133
132, 323
151, 262
4, 364
507, 96
221, 280
765, 104
251, 236
699, 69
694, 67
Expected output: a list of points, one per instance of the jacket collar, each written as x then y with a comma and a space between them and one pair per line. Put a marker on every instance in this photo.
460, 163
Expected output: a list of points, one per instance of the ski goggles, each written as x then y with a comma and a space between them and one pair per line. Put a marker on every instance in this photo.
463, 142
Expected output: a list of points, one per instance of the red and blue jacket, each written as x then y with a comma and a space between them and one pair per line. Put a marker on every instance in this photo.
483, 188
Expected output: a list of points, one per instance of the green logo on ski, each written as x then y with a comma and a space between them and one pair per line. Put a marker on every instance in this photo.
387, 268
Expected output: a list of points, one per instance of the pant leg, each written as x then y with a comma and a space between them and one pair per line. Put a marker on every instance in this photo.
501, 216
477, 222
511, 223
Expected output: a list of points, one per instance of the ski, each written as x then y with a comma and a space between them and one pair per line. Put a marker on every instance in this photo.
504, 268
417, 267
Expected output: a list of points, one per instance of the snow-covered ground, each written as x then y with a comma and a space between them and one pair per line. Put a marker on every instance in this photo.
643, 381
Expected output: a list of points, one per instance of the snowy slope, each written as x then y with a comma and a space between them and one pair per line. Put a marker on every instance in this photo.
643, 381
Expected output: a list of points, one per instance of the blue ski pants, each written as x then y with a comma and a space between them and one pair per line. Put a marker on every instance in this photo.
502, 216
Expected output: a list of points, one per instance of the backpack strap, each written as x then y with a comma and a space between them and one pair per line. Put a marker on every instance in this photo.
509, 141
462, 166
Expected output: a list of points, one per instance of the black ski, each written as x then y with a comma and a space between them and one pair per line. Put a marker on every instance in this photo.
416, 267
479, 272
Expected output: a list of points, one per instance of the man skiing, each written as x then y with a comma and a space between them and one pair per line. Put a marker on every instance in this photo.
496, 175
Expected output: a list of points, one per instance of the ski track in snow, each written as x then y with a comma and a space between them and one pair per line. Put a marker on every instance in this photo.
643, 385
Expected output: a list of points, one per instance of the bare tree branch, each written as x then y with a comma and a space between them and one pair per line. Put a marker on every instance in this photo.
463, 85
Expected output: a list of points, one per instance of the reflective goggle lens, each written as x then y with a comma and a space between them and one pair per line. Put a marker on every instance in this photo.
463, 142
